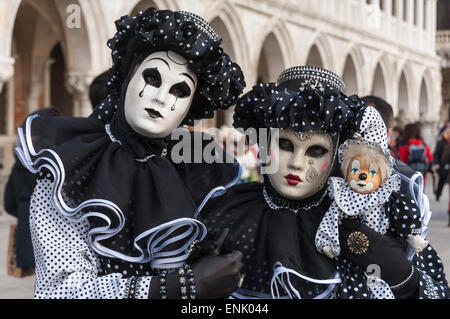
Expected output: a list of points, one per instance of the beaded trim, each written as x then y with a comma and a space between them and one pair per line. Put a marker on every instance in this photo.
430, 287
404, 282
132, 287
201, 24
162, 284
313, 74
187, 284
289, 206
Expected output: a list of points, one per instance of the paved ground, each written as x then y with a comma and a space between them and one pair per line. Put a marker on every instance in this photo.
13, 288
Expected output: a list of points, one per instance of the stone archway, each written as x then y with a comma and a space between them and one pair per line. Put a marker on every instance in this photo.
314, 57
423, 100
271, 62
403, 101
379, 83
34, 35
350, 76
224, 117
134, 6
142, 5
38, 26
227, 43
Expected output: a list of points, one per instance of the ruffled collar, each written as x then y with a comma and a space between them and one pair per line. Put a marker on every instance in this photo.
275, 201
353, 203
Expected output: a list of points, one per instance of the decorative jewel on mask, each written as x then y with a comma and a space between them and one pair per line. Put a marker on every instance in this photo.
304, 135
310, 162
311, 175
313, 83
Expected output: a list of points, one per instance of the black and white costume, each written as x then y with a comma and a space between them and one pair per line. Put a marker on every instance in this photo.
110, 208
277, 235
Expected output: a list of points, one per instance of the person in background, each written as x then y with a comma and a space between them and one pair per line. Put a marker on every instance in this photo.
439, 165
415, 153
445, 160
235, 144
396, 137
17, 196
386, 112
442, 129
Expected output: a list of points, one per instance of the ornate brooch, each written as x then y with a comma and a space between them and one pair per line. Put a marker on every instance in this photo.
358, 242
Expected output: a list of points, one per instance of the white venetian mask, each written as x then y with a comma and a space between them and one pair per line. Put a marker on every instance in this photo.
159, 94
303, 163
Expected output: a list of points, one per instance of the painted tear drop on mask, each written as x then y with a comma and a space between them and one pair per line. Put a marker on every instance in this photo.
141, 94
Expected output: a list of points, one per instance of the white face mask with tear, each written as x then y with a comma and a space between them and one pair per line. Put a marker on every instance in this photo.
159, 94
303, 164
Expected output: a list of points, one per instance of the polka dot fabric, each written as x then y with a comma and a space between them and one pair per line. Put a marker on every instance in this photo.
404, 215
369, 208
371, 131
372, 128
432, 279
357, 284
268, 105
66, 267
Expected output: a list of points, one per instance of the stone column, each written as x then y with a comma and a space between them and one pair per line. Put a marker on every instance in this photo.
410, 11
34, 96
375, 2
399, 9
6, 74
6, 70
433, 17
428, 24
77, 83
419, 13
387, 6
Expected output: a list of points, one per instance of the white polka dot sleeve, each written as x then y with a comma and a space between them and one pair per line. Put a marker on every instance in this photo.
66, 267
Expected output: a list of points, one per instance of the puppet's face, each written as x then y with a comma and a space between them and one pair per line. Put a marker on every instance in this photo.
363, 176
159, 94
304, 163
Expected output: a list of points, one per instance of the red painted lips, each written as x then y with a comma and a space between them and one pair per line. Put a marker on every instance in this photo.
293, 179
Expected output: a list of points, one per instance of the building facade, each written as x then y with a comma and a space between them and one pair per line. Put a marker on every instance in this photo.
50, 50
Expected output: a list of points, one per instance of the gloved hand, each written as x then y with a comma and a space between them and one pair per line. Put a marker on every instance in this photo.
209, 245
382, 251
216, 272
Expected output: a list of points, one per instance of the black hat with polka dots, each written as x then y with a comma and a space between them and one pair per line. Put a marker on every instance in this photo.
221, 81
305, 99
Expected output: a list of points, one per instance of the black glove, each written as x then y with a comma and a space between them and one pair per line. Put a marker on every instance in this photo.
216, 271
209, 245
382, 251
